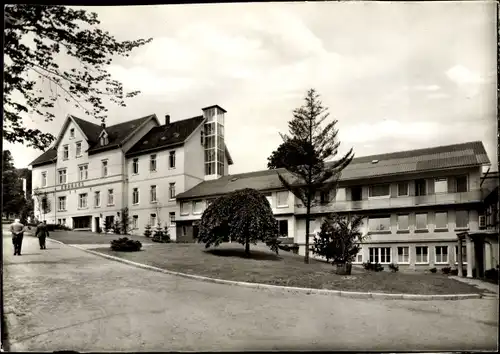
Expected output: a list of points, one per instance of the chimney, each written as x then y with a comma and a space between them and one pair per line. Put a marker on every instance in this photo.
167, 119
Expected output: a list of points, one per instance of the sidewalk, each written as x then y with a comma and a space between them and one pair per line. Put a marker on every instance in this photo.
481, 284
63, 298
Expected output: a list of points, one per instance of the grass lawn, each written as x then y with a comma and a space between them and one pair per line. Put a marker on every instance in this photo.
84, 237
227, 262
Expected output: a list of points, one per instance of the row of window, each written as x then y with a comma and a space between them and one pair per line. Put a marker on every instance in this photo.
384, 255
83, 173
403, 188
83, 169
153, 163
153, 220
83, 200
78, 149
153, 193
440, 221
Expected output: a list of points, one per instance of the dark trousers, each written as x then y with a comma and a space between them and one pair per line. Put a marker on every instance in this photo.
41, 240
18, 242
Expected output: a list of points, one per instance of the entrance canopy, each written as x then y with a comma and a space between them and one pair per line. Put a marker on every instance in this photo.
477, 234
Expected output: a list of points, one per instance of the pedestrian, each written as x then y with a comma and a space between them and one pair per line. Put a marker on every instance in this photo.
42, 233
17, 230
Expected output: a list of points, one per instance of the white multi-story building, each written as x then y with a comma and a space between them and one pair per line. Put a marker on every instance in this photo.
418, 205
93, 172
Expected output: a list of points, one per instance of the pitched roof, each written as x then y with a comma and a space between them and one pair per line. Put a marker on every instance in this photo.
117, 134
47, 157
435, 158
166, 135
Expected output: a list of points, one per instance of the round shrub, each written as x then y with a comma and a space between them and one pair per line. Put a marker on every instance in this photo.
433, 270
125, 245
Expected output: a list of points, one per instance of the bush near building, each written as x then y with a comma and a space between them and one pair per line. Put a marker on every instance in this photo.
124, 244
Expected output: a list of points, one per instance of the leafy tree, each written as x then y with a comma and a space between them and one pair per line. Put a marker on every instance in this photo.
12, 186
316, 144
34, 36
288, 154
43, 204
339, 238
243, 216
125, 224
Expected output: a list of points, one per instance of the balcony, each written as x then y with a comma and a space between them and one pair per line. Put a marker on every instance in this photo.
397, 202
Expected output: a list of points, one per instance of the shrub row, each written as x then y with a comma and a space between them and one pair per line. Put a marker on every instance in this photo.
376, 267
124, 244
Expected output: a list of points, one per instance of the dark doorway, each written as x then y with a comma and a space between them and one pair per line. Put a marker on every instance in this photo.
97, 224
356, 194
479, 255
196, 230
82, 222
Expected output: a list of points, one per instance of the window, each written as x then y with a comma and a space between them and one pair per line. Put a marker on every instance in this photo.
403, 189
422, 254
441, 220
104, 168
420, 187
356, 193
461, 184
65, 152
97, 199
324, 197
282, 199
340, 195
152, 163
78, 149
62, 176
403, 255
152, 219
464, 254
44, 179
283, 228
380, 254
184, 208
440, 185
104, 140
72, 133
403, 223
379, 223
62, 204
135, 196
84, 172
197, 207
171, 159
171, 216
359, 257
171, 190
421, 220
441, 254
111, 197
135, 222
152, 194
82, 200
135, 166
379, 191
462, 219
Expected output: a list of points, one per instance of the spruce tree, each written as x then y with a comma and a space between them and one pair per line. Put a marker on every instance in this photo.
314, 143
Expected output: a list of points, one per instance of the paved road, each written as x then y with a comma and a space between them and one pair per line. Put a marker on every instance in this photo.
66, 299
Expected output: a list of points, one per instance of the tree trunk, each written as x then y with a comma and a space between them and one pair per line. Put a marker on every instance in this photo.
247, 246
308, 212
343, 268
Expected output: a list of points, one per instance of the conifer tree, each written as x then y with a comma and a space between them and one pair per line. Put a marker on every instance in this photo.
314, 144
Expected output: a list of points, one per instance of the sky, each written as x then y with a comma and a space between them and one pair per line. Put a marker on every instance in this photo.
397, 76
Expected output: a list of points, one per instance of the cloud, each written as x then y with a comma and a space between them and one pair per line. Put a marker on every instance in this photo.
426, 88
437, 95
389, 129
461, 75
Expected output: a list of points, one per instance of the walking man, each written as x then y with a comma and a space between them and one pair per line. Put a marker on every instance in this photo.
17, 230
42, 233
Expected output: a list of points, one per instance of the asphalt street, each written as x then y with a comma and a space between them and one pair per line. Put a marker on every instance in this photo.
63, 298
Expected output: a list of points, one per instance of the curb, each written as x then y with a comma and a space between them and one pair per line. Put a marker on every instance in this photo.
346, 294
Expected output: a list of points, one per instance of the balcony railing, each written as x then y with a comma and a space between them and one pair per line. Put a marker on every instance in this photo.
396, 202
